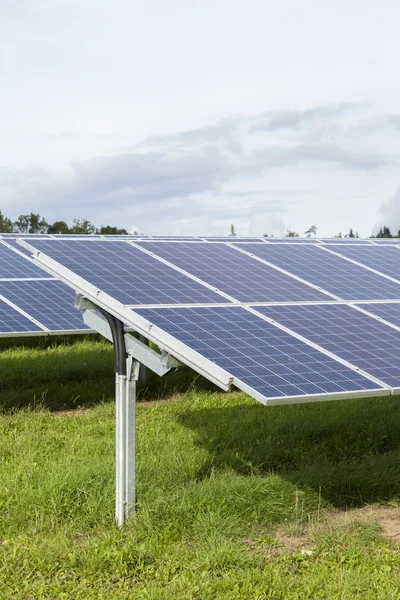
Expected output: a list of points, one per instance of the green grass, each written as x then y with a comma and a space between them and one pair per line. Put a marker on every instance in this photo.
223, 483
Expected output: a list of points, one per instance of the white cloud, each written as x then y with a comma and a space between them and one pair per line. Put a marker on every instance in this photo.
122, 113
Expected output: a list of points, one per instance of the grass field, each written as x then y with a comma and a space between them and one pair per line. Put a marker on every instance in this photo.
235, 500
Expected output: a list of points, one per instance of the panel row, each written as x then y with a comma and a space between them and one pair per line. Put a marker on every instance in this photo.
264, 360
168, 273
274, 352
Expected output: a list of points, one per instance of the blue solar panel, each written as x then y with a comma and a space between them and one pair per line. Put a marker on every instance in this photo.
267, 359
11, 321
14, 244
50, 302
388, 311
233, 272
382, 258
292, 240
233, 239
348, 333
385, 240
126, 273
328, 271
13, 265
345, 241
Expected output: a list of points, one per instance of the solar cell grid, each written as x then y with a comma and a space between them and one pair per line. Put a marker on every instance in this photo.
232, 238
353, 336
329, 271
381, 258
11, 321
385, 310
234, 273
266, 358
292, 240
50, 302
13, 265
128, 274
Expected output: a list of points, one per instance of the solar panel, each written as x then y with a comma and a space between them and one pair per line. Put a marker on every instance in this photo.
13, 322
329, 272
268, 360
385, 310
50, 302
128, 274
292, 240
347, 241
13, 265
385, 240
348, 333
234, 273
233, 239
37, 293
381, 258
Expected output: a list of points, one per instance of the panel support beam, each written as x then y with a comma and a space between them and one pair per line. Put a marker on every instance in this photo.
130, 356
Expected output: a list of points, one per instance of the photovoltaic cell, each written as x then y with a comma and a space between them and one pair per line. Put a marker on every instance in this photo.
328, 271
347, 241
267, 359
381, 258
386, 310
292, 240
348, 333
233, 239
14, 265
233, 272
50, 302
126, 273
11, 321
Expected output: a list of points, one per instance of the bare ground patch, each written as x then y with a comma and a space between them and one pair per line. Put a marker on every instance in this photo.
302, 538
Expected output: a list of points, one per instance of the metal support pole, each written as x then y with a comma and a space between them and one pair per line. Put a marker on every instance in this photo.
126, 442
129, 355
126, 374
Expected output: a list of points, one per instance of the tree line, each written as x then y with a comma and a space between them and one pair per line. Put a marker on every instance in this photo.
384, 232
34, 223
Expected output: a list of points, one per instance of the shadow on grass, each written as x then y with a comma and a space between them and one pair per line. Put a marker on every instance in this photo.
73, 372
348, 452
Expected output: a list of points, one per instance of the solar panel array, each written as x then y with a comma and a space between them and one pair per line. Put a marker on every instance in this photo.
31, 301
287, 320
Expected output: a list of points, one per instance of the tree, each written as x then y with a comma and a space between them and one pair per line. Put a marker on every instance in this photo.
350, 234
311, 231
384, 232
32, 223
82, 227
58, 227
232, 231
6, 225
291, 233
109, 230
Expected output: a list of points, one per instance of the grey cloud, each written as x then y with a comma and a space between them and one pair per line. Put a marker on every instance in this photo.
390, 213
325, 153
171, 173
294, 119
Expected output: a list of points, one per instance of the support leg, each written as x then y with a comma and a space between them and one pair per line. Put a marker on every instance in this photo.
120, 452
125, 442
130, 447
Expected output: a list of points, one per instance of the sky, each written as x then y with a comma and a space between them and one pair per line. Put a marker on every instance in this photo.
184, 116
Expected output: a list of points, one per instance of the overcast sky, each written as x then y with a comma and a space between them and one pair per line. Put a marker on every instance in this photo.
183, 116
